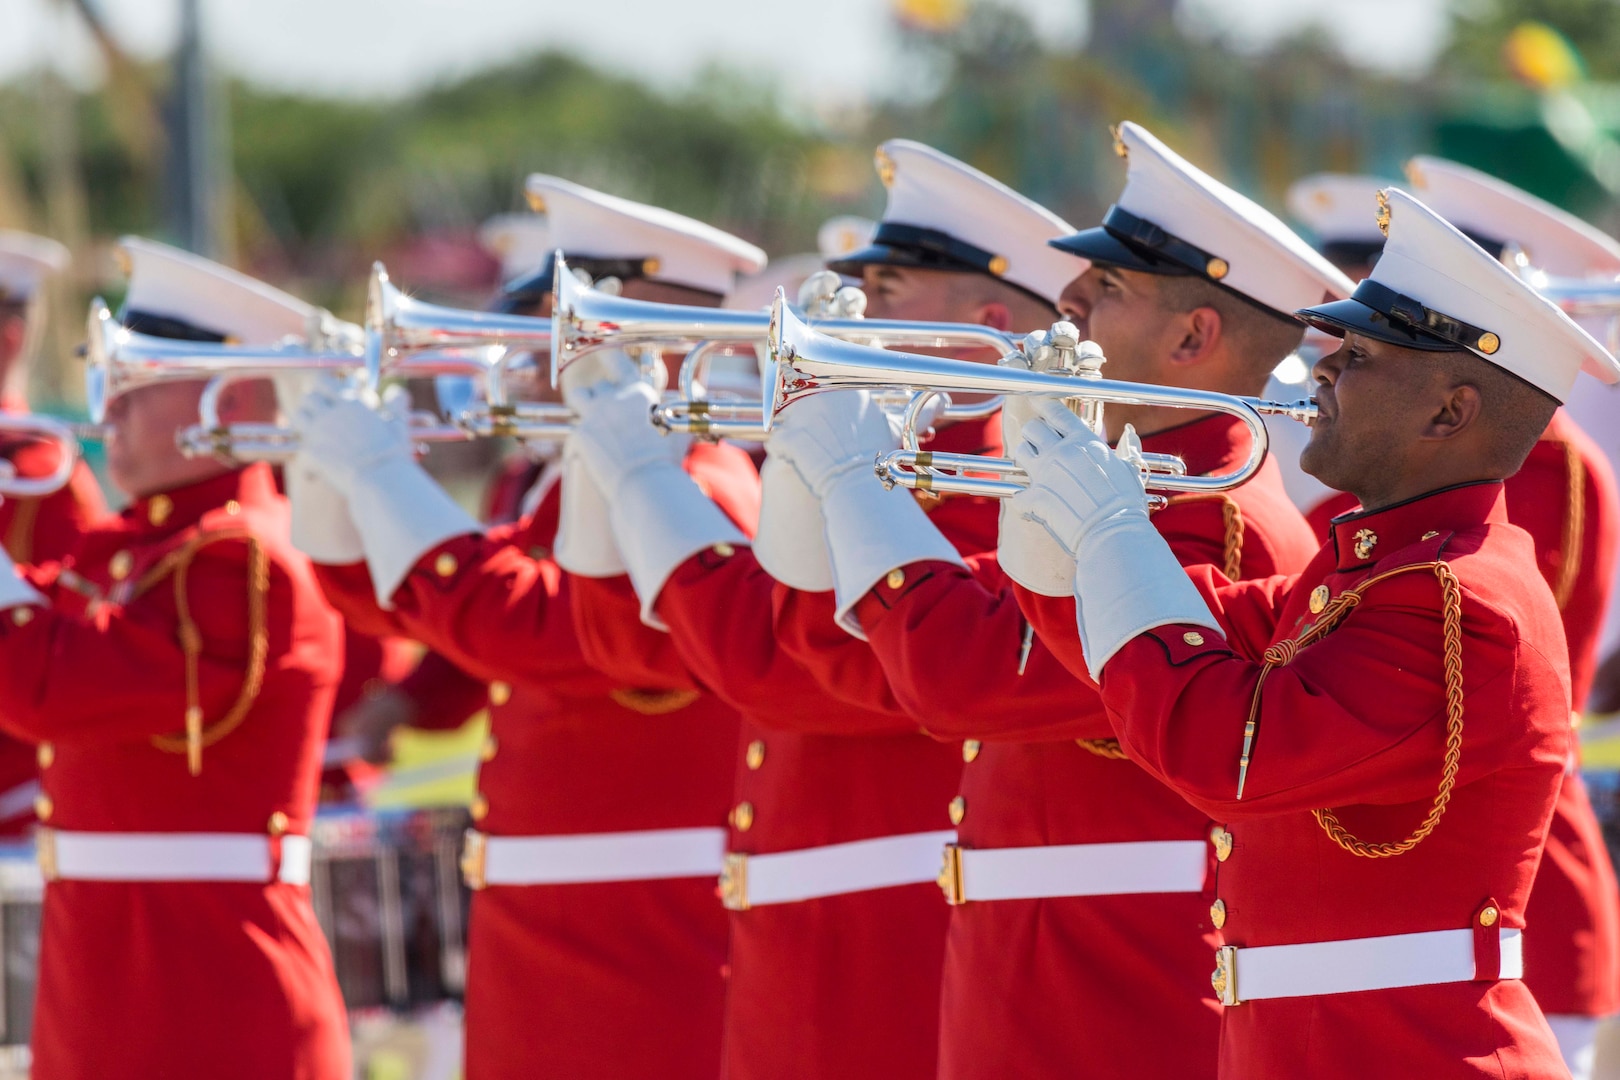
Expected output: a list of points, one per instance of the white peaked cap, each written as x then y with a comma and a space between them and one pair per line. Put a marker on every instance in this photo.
945, 214
1338, 207
1497, 213
838, 236
522, 242
1173, 218
170, 283
669, 247
1435, 289
27, 260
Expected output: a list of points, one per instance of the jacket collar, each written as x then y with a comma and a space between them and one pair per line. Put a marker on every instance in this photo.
182, 507
1363, 537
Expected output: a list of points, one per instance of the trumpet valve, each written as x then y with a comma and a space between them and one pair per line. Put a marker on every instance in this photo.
818, 294
849, 303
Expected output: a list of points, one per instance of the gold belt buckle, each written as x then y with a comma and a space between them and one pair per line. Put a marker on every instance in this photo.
474, 854
950, 876
734, 882
1224, 978
45, 851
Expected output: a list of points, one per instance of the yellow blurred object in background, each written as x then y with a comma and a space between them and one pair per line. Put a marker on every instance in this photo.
1541, 57
432, 768
931, 16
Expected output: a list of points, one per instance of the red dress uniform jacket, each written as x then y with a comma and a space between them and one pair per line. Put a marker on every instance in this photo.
843, 985
601, 979
185, 978
1044, 769
1564, 497
1352, 820
37, 530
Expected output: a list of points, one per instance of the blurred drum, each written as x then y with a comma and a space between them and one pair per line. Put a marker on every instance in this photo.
389, 897
21, 891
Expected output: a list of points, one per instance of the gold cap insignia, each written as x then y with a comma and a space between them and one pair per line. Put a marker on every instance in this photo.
1217, 268
1119, 144
537, 201
1489, 343
1383, 212
885, 167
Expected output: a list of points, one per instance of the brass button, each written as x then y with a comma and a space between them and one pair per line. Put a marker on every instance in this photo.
499, 692
232, 507
1489, 916
278, 823
1319, 598
1217, 913
1223, 843
22, 616
756, 754
1217, 268
958, 810
970, 749
159, 509
120, 566
895, 579
486, 752
1193, 637
445, 564
43, 807
45, 754
724, 550
997, 265
1489, 343
742, 816
479, 807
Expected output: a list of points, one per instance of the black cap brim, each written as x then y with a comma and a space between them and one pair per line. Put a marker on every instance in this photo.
1103, 247
1340, 317
887, 255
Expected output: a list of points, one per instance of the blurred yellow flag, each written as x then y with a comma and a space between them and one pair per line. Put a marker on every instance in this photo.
934, 16
1543, 58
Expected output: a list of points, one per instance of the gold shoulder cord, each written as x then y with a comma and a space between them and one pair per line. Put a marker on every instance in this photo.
1232, 515
198, 735
1569, 565
19, 541
653, 702
1283, 653
1103, 748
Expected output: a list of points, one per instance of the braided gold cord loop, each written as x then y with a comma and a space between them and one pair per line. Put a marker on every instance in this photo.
1232, 518
1569, 562
1103, 748
1283, 652
197, 734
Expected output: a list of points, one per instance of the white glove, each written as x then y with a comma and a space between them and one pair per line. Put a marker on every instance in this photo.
584, 544
1127, 581
791, 544
1026, 551
660, 518
830, 440
321, 527
14, 591
400, 512
585, 376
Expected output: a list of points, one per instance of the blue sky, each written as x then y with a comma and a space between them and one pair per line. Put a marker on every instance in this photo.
830, 53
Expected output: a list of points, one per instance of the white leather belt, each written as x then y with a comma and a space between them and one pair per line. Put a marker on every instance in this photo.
650, 855
1029, 873
788, 877
1356, 964
89, 856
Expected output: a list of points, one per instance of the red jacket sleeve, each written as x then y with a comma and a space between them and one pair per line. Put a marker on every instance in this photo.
132, 655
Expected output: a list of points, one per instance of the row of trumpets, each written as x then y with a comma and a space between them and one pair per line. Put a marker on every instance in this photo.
799, 352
